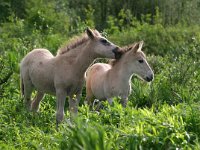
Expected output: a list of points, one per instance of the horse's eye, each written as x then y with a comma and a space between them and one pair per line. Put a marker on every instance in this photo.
104, 41
141, 61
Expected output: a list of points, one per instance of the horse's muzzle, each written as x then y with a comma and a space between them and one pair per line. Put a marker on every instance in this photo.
118, 53
149, 78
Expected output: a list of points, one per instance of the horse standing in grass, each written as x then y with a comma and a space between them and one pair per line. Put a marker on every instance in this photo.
62, 75
104, 81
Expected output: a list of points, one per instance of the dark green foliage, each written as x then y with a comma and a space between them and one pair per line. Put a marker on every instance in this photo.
158, 39
161, 115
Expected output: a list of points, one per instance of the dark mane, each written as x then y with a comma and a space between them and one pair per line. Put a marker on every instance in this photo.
75, 42
124, 49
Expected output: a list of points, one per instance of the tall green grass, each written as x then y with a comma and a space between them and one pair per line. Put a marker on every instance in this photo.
114, 127
161, 115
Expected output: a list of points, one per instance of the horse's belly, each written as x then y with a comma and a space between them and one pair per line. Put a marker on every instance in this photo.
45, 87
99, 95
105, 91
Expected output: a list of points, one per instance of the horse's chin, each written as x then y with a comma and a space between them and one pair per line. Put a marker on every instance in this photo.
143, 78
146, 79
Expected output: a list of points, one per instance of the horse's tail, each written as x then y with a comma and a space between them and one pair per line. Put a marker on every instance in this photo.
86, 73
21, 86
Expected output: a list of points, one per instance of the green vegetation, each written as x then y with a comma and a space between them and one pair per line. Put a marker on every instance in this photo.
161, 115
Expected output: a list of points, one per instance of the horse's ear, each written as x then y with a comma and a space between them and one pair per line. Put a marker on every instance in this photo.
129, 48
138, 46
90, 33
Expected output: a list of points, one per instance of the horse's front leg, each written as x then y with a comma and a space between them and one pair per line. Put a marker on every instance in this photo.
124, 100
74, 99
73, 104
110, 101
61, 96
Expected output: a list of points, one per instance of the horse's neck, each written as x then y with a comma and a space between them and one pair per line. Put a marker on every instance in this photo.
122, 72
84, 58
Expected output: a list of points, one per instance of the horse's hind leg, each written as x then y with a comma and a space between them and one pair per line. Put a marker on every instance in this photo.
89, 99
89, 95
124, 101
28, 88
36, 102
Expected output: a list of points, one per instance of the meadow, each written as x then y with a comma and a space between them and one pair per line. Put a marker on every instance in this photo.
163, 114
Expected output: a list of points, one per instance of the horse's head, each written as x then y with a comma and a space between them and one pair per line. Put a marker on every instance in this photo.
136, 60
101, 46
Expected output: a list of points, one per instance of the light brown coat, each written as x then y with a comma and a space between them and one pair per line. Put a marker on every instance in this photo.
62, 75
105, 81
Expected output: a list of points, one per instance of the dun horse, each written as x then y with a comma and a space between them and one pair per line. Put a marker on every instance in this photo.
62, 75
104, 81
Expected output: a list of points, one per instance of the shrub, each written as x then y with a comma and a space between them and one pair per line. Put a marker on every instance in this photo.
158, 39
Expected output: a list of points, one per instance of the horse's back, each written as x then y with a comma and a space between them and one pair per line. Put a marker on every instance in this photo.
37, 67
100, 67
97, 71
36, 55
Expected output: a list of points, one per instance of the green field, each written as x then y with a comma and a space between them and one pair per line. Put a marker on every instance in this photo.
163, 114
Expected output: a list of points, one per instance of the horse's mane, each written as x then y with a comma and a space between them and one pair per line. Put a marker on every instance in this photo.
124, 49
75, 42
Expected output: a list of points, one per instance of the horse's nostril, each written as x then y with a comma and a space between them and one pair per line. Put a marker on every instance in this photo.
149, 78
117, 52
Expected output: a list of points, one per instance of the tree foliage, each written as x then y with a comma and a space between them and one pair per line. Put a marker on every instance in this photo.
172, 11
